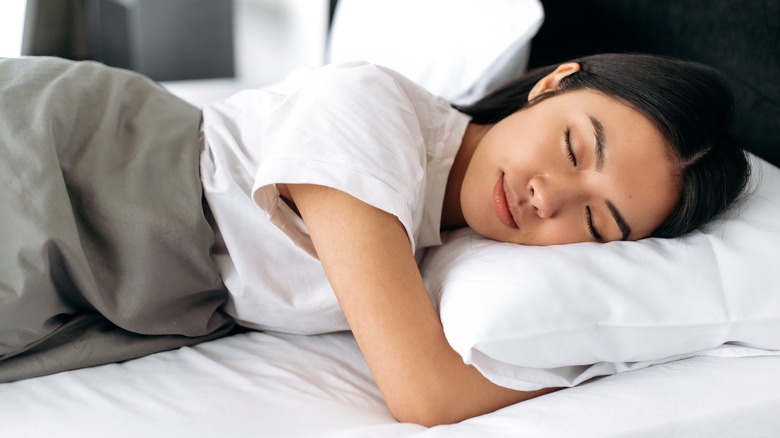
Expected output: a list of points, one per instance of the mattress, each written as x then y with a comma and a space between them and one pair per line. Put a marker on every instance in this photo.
263, 384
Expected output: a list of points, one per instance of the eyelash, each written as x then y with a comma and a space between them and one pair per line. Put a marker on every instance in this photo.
573, 159
569, 150
591, 229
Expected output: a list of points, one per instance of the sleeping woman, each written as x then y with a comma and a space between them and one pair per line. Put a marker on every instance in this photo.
134, 226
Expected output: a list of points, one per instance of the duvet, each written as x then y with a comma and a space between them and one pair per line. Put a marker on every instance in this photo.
105, 237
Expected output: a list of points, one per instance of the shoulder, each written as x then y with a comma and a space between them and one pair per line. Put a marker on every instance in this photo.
356, 100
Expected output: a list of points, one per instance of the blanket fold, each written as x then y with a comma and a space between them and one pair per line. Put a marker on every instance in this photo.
105, 244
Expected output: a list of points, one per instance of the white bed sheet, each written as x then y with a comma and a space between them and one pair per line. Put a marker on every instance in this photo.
274, 385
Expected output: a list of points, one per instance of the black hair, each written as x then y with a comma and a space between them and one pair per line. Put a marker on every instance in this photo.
689, 103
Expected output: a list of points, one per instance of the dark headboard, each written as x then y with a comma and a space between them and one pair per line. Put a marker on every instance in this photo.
741, 38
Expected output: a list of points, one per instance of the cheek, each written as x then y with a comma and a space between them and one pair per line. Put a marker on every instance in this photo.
473, 202
482, 173
557, 232
544, 232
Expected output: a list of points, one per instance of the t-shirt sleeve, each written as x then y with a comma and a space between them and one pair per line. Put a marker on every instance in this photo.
351, 128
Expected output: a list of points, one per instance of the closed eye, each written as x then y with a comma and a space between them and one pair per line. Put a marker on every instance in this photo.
591, 229
569, 151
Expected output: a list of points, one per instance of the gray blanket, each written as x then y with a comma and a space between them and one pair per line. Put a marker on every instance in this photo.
105, 247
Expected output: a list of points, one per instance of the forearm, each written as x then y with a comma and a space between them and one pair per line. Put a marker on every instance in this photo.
368, 260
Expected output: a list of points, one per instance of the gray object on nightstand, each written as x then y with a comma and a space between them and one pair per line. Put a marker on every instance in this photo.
163, 39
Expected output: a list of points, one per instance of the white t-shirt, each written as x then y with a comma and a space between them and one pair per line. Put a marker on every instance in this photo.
359, 128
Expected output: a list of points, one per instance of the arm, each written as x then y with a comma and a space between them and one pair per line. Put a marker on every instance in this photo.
367, 257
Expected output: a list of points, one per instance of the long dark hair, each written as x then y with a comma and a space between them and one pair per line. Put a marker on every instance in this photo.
689, 103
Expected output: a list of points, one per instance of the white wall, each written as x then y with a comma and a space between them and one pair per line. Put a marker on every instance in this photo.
11, 27
272, 37
276, 36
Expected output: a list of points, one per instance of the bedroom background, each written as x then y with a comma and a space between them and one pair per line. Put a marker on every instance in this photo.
281, 385
205, 49
234, 44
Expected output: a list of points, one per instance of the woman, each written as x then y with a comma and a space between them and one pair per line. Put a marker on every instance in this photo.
610, 147
322, 191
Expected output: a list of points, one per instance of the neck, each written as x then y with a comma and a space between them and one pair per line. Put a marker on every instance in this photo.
452, 213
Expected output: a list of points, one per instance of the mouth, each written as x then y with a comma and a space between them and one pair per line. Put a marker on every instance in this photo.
501, 206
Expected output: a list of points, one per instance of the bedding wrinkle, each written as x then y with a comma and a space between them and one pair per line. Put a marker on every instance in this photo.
108, 247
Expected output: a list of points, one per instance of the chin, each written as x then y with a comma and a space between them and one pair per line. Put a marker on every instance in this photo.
493, 234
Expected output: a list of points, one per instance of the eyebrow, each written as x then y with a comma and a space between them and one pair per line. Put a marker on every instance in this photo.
621, 223
601, 142
601, 152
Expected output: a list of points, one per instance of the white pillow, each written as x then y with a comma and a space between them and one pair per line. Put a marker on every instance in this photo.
534, 317
456, 49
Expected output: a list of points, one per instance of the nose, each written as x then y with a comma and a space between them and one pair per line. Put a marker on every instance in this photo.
548, 195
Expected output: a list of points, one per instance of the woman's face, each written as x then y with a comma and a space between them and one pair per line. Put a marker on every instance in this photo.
575, 167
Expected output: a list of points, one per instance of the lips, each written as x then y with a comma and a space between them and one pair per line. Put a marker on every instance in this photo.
501, 206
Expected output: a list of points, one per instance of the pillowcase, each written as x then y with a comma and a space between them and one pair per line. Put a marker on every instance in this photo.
535, 317
456, 49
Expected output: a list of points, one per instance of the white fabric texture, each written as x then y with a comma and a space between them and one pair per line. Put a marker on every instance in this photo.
263, 384
530, 317
360, 128
457, 49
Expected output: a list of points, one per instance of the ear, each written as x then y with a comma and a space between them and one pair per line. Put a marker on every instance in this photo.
551, 81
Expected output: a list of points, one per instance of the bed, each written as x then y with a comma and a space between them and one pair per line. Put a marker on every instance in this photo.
275, 384
265, 384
